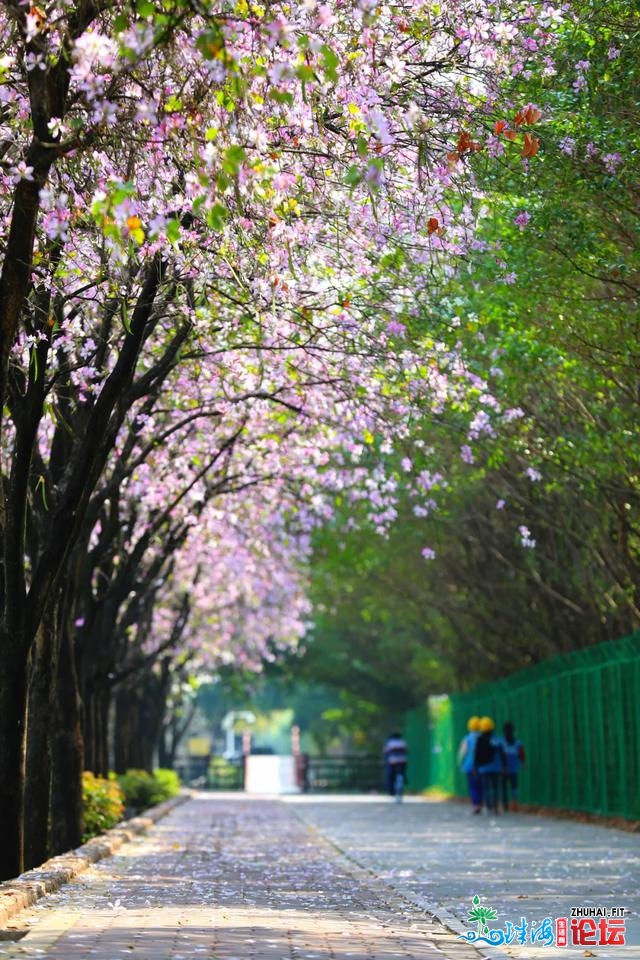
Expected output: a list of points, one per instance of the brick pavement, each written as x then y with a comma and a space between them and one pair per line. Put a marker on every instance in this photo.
230, 879
439, 856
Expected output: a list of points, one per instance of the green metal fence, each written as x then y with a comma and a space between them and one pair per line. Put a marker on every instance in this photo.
577, 715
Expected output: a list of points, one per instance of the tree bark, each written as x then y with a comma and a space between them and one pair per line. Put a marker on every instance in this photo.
103, 703
68, 756
123, 730
13, 702
40, 720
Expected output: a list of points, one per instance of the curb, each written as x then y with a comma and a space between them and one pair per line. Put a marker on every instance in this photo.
22, 892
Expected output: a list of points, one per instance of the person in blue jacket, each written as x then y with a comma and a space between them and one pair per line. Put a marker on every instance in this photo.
395, 757
488, 762
465, 762
514, 758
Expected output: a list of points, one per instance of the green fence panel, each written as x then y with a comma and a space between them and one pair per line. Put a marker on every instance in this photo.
429, 735
417, 733
578, 716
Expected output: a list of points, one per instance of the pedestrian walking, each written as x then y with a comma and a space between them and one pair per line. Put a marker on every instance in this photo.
514, 757
466, 752
488, 762
395, 760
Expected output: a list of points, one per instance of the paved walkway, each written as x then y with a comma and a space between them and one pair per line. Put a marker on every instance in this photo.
225, 878
440, 856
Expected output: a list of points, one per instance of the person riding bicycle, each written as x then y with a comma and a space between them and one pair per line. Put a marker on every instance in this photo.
395, 761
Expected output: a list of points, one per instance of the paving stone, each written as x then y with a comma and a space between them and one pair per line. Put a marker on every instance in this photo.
439, 856
228, 879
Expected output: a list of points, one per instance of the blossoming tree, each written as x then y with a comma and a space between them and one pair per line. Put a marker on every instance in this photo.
212, 214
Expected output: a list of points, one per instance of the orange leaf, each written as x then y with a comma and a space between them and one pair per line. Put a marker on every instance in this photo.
531, 146
433, 225
499, 126
510, 134
519, 118
532, 115
466, 143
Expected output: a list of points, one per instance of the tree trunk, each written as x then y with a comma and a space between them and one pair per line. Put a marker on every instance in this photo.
88, 730
101, 733
68, 756
13, 701
40, 717
123, 730
164, 757
154, 690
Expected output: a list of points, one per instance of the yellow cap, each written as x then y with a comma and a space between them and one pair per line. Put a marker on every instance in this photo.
486, 724
473, 724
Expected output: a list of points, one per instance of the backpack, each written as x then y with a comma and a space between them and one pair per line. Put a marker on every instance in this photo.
485, 750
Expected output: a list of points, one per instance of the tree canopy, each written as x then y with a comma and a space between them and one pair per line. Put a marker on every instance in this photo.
276, 278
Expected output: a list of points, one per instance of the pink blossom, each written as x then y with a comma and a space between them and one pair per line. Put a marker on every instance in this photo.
611, 161
525, 537
396, 329
21, 172
466, 453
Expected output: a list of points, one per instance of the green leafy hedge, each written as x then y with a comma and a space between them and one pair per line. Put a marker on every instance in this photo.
142, 790
102, 805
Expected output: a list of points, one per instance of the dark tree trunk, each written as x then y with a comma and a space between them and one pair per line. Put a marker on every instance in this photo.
152, 709
140, 707
145, 742
123, 734
13, 701
103, 703
40, 730
68, 756
88, 730
164, 758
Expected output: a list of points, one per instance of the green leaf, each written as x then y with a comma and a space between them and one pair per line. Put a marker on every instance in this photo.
144, 8
305, 73
330, 60
210, 43
232, 160
281, 97
173, 231
353, 176
217, 216
173, 104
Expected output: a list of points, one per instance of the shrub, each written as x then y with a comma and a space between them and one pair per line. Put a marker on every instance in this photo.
102, 804
142, 790
169, 782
